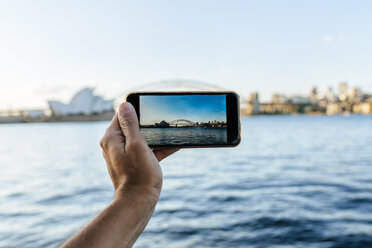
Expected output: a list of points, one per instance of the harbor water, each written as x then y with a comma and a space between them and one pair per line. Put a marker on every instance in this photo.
294, 181
185, 135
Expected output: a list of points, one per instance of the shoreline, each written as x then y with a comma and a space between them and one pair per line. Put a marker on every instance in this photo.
109, 115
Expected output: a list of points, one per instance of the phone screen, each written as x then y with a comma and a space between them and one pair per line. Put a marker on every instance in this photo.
183, 119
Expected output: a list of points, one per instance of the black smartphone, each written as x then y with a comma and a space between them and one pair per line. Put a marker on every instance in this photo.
188, 119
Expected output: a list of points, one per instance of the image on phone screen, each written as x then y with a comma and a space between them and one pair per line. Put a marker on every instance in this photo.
183, 119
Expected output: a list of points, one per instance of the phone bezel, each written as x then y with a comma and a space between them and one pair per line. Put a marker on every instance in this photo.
232, 115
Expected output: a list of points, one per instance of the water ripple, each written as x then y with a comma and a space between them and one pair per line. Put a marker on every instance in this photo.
300, 181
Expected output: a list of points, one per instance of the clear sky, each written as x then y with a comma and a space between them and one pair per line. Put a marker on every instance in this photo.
49, 49
196, 108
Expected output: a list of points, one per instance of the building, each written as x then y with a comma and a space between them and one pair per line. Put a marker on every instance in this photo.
330, 96
333, 109
253, 106
342, 91
302, 100
279, 99
314, 95
363, 108
34, 113
355, 95
84, 102
162, 124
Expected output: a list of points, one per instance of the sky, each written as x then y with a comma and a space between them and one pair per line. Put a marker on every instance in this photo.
196, 108
50, 49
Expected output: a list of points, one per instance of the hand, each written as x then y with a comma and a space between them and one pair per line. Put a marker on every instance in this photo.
137, 178
132, 165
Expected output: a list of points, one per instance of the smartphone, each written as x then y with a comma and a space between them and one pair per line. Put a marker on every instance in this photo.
188, 119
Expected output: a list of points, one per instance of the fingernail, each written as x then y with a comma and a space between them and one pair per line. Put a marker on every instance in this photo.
126, 107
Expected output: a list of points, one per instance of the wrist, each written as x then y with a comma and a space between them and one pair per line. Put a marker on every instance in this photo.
137, 193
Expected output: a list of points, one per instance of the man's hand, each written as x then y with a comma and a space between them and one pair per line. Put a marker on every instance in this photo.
131, 163
137, 179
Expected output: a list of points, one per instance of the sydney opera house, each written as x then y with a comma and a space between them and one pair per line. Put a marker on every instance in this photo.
87, 106
84, 102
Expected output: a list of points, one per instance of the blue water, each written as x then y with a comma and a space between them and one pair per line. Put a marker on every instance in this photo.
184, 136
295, 181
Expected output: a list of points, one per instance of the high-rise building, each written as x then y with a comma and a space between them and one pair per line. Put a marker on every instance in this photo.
355, 95
253, 106
314, 95
314, 91
342, 91
278, 99
330, 96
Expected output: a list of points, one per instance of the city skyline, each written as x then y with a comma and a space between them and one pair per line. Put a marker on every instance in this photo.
196, 108
50, 49
344, 101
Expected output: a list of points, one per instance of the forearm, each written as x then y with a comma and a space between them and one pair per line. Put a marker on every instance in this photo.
120, 224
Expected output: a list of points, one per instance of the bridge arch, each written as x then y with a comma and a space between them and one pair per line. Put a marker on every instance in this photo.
170, 85
182, 122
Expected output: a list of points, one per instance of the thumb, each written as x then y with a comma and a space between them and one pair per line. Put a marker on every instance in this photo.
128, 122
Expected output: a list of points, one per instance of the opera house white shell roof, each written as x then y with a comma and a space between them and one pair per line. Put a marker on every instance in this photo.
83, 102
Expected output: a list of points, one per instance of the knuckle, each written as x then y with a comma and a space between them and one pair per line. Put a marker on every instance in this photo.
103, 142
136, 144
